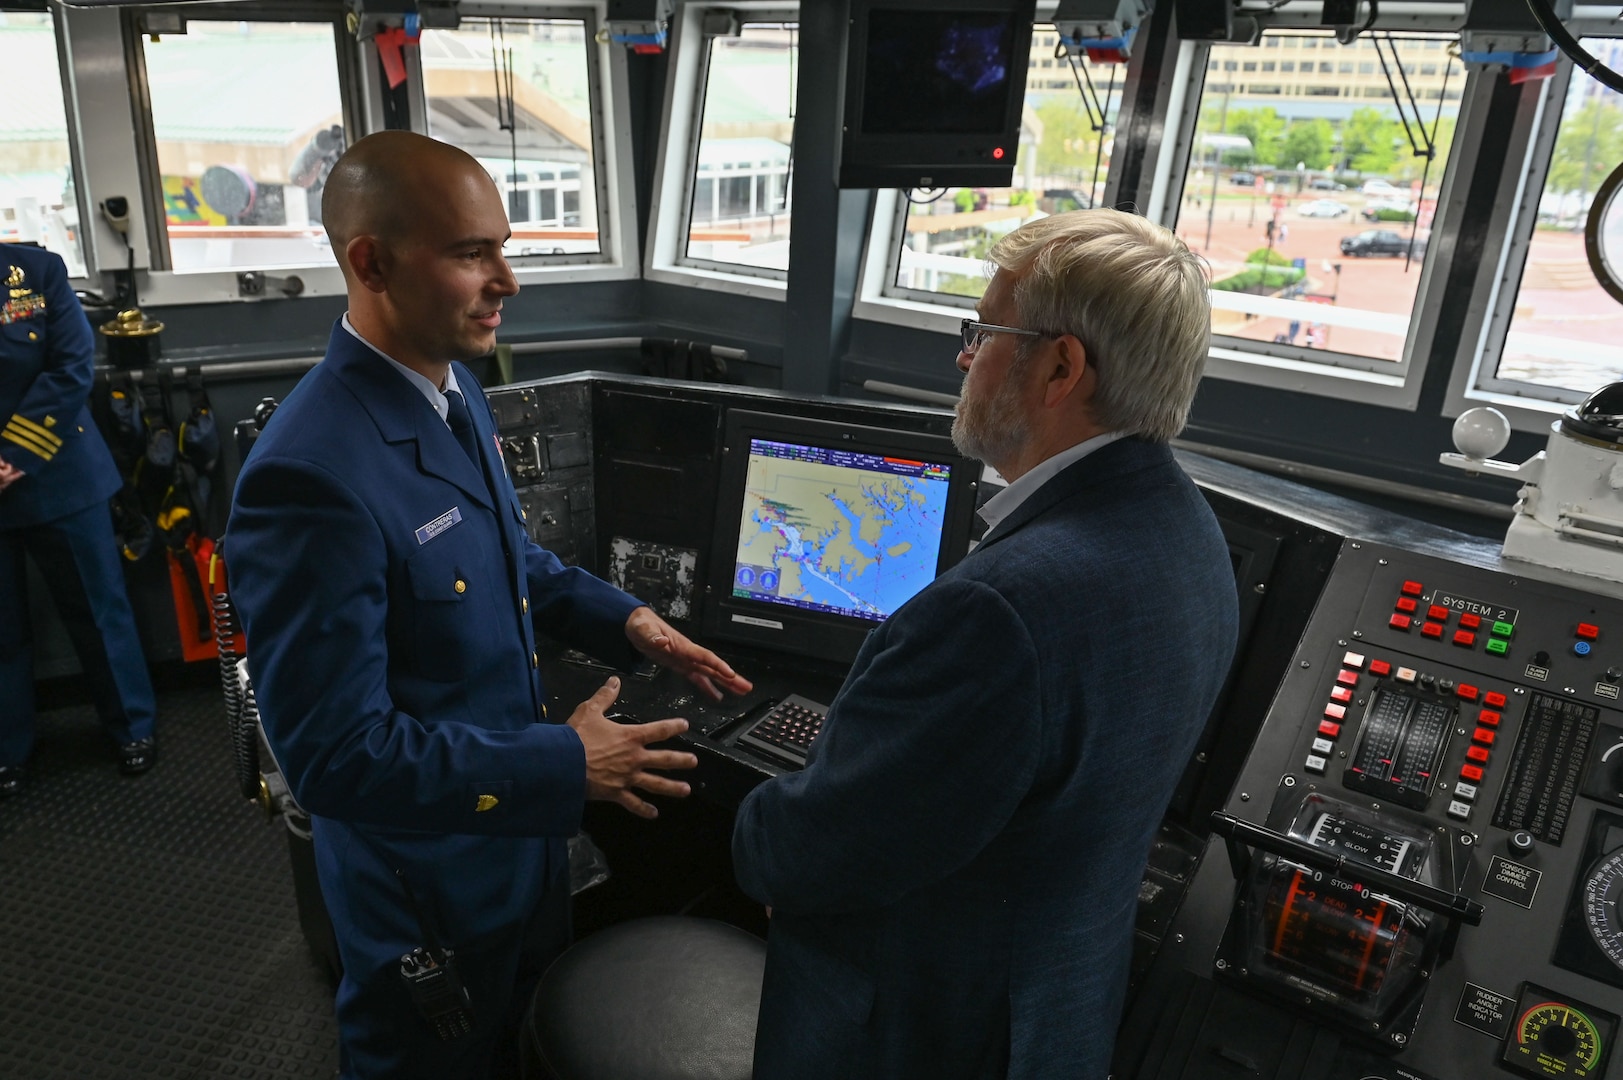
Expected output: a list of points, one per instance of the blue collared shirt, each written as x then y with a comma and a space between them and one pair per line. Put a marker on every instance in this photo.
1003, 504
435, 395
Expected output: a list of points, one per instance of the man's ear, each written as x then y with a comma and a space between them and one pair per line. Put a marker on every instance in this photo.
1069, 372
369, 261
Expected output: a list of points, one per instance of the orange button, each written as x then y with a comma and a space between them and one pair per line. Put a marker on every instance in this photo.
1489, 717
1472, 773
1588, 631
1493, 699
1477, 753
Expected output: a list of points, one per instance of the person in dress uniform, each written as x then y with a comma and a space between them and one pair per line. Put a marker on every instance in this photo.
56, 476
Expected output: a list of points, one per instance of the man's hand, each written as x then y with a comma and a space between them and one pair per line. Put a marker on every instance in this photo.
618, 758
9, 474
655, 639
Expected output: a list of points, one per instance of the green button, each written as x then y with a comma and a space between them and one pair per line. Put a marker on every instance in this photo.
1504, 629
1498, 646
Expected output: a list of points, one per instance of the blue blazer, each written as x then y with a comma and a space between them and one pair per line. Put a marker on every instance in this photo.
390, 603
954, 875
47, 365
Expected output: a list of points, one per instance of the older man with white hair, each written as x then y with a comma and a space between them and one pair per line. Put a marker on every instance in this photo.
954, 875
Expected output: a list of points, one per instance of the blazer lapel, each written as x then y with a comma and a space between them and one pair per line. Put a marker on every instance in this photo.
402, 413
1108, 464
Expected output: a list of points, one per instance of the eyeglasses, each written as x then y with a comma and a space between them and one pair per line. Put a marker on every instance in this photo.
974, 333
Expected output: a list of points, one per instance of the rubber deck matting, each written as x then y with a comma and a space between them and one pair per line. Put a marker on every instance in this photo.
148, 922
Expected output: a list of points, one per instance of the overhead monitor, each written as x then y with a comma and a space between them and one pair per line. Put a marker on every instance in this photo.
933, 92
825, 529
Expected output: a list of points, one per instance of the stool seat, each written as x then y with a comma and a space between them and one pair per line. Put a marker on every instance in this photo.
667, 998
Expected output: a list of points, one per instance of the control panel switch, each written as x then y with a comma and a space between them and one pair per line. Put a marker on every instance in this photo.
1460, 810
1314, 764
1465, 791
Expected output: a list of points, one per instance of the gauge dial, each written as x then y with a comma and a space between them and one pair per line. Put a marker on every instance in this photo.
1603, 906
1555, 1039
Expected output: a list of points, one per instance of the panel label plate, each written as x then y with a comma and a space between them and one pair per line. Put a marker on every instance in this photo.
1512, 881
1496, 612
1484, 1010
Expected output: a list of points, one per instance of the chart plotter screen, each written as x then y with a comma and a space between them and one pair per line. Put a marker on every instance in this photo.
838, 531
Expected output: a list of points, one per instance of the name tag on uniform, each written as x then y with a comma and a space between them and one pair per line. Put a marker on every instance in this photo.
439, 525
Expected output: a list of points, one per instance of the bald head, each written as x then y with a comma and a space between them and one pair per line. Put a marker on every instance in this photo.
384, 183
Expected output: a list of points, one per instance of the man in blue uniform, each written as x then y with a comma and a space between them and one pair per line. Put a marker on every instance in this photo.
56, 476
391, 600
954, 875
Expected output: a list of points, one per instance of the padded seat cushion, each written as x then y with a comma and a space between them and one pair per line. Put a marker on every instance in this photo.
669, 998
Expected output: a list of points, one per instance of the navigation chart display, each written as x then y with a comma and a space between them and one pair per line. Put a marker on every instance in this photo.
838, 531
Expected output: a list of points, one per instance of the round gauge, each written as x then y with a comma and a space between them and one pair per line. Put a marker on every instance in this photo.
1557, 1033
1603, 235
1603, 906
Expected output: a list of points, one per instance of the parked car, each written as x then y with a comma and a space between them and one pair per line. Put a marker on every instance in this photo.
1381, 242
1244, 179
1380, 188
1325, 183
1328, 208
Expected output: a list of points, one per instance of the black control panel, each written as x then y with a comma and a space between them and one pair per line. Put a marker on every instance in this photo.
1418, 872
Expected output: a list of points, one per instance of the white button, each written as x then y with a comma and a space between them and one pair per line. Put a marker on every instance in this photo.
1335, 712
1457, 809
1405, 674
1353, 660
1315, 764
1465, 791
1323, 746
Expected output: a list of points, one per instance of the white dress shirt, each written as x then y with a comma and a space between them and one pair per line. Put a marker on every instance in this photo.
1002, 504
435, 396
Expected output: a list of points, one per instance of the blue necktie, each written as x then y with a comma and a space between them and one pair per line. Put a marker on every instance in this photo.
461, 421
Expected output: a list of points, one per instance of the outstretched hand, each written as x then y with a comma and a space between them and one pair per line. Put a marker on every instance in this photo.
617, 756
656, 639
9, 474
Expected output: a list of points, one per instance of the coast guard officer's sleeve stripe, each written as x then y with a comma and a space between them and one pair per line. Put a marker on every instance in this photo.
33, 446
45, 434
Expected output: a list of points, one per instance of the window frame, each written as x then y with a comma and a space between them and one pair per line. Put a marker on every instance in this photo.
1474, 380
665, 257
604, 156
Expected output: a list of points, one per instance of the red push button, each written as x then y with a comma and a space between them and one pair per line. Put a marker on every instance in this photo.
1472, 773
1347, 678
1489, 717
1413, 588
1483, 735
1493, 699
1341, 693
1588, 631
1464, 638
1477, 753
1437, 613
1470, 622
1399, 622
1329, 729
1466, 691
1407, 604
1380, 668
1335, 712
1433, 630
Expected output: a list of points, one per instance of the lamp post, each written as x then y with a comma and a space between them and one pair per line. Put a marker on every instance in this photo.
1222, 122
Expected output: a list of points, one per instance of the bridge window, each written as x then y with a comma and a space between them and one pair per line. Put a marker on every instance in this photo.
38, 188
1564, 329
741, 189
247, 119
1063, 163
1313, 209
517, 95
